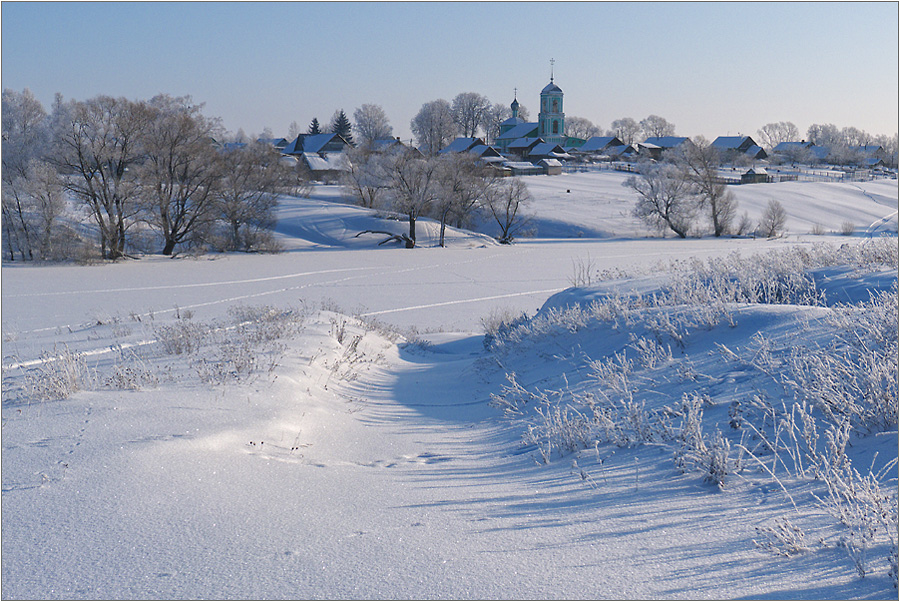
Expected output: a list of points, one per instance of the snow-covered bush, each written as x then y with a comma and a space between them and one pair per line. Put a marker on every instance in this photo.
59, 375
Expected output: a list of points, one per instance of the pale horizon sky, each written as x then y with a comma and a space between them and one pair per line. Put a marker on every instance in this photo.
710, 68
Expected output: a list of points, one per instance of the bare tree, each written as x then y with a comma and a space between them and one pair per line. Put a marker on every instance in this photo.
414, 187
625, 129
180, 171
433, 126
665, 198
700, 164
773, 134
461, 181
493, 117
507, 200
367, 177
580, 127
25, 138
656, 126
469, 110
772, 222
46, 194
99, 144
246, 196
370, 124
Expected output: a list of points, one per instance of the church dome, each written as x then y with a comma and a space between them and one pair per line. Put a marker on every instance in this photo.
515, 105
551, 87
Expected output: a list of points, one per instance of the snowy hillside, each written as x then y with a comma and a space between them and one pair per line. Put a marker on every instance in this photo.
353, 420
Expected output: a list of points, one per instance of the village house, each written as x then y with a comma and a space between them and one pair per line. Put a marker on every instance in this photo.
733, 147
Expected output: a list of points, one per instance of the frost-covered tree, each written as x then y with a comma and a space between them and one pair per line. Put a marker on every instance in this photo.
25, 139
367, 178
341, 126
493, 117
469, 110
413, 187
700, 165
580, 127
246, 196
461, 181
100, 145
773, 134
656, 126
773, 219
665, 198
371, 123
433, 126
507, 201
180, 170
625, 129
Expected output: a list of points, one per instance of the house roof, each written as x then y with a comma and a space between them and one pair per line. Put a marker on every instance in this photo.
550, 163
512, 121
870, 150
525, 142
484, 151
782, 147
731, 142
756, 152
548, 149
597, 143
665, 141
461, 145
310, 143
520, 131
756, 171
330, 162
276, 142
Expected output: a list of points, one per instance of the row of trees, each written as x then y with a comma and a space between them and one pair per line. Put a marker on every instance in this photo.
455, 189
135, 169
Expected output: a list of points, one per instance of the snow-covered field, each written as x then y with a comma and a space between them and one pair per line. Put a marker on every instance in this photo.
328, 422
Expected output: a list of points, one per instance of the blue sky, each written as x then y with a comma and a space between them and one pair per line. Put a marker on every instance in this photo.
709, 68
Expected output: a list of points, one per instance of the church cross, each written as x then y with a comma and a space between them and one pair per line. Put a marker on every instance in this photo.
552, 62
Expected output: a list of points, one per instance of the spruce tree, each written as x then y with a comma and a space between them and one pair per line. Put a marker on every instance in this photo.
340, 125
314, 127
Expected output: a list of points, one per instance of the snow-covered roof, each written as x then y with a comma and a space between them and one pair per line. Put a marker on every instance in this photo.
597, 143
513, 121
545, 148
385, 143
461, 145
729, 142
782, 147
520, 131
484, 151
330, 162
550, 162
870, 150
551, 87
756, 152
525, 142
664, 141
310, 143
756, 171
276, 142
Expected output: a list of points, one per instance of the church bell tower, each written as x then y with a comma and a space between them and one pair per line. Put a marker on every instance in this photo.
551, 118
